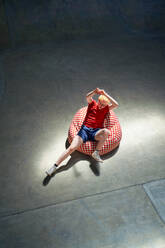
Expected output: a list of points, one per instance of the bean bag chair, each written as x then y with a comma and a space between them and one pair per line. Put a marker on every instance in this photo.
111, 122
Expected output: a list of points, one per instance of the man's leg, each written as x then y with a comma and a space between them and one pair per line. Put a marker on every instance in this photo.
77, 141
100, 137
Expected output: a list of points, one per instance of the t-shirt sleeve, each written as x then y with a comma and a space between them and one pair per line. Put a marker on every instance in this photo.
92, 103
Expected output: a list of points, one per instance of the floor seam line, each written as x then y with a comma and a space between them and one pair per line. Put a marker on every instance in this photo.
154, 207
72, 200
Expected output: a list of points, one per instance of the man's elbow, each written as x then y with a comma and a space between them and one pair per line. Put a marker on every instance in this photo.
114, 105
89, 99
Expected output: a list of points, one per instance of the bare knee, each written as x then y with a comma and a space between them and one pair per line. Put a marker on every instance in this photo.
105, 132
72, 148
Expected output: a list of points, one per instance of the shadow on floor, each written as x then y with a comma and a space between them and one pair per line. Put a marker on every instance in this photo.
78, 156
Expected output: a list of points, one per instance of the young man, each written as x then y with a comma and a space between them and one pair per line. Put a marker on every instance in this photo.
92, 128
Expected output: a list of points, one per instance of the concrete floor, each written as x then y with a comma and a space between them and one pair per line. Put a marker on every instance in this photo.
120, 203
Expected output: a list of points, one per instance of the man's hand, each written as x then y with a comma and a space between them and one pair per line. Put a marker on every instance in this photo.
92, 93
100, 92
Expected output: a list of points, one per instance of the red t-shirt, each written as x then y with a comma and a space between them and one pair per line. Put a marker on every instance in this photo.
95, 117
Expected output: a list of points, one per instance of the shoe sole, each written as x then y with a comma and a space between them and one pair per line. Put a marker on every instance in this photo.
50, 174
101, 161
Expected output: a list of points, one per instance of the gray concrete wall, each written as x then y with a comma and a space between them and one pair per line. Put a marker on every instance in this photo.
40, 21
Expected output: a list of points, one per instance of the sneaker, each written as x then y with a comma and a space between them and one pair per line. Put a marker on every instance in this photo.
96, 156
51, 171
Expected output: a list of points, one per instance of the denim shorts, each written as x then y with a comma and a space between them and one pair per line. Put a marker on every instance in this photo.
87, 133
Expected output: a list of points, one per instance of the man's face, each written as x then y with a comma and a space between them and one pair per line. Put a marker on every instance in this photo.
102, 104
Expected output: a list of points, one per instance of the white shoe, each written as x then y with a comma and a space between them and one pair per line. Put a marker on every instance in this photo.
96, 156
51, 171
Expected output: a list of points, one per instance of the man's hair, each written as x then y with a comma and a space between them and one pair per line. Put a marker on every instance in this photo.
104, 98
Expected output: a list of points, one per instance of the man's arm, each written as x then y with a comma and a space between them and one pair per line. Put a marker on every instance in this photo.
113, 102
91, 94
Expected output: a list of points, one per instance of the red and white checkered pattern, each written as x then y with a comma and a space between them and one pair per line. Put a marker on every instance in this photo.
111, 122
